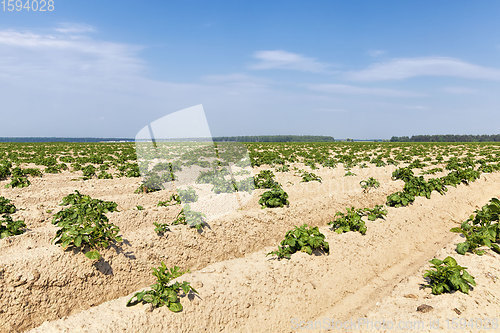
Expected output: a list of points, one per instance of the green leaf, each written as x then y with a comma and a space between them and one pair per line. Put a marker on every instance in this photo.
175, 307
469, 278
93, 255
78, 241
462, 248
436, 262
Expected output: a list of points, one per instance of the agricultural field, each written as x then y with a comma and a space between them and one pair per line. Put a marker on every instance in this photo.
277, 237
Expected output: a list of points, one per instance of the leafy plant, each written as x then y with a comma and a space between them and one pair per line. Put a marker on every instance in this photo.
458, 176
6, 207
163, 292
246, 185
265, 179
173, 200
5, 169
399, 199
349, 173
305, 239
89, 172
153, 181
405, 174
190, 217
432, 171
483, 229
369, 183
350, 221
9, 227
18, 179
283, 168
447, 276
161, 228
84, 224
104, 175
377, 212
222, 185
32, 172
187, 195
139, 207
309, 177
276, 197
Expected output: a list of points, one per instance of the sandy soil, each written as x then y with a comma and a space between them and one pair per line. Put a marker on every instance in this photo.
33, 293
240, 288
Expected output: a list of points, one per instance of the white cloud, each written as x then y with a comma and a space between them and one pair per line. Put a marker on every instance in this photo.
332, 110
416, 107
237, 79
71, 57
343, 89
74, 28
404, 68
460, 90
376, 53
278, 59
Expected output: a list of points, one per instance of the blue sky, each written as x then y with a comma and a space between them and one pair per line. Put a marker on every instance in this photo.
350, 69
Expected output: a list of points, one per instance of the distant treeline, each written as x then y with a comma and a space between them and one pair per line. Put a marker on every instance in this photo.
276, 138
447, 138
253, 138
54, 139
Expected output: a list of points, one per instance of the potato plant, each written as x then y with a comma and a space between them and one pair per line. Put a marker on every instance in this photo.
163, 292
276, 197
187, 195
191, 218
265, 179
84, 225
306, 239
309, 177
161, 228
447, 276
368, 184
18, 179
89, 172
483, 229
152, 182
432, 171
6, 206
377, 212
5, 169
173, 200
350, 221
9, 227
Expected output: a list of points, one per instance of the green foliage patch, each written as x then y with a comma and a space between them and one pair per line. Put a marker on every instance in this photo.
447, 276
305, 239
481, 229
368, 184
84, 225
276, 197
163, 292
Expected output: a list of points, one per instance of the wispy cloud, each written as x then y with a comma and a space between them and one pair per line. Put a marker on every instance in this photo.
279, 59
415, 107
65, 54
404, 68
376, 53
344, 89
460, 90
74, 28
331, 110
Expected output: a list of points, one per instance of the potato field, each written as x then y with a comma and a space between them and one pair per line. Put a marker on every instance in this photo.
273, 237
